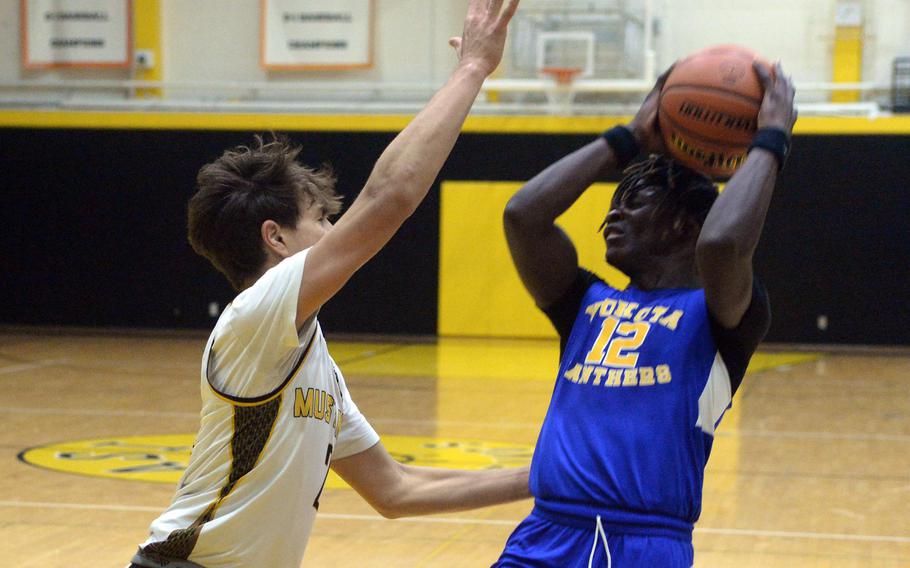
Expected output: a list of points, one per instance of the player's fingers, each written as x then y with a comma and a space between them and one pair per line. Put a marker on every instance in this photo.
780, 78
647, 102
475, 7
791, 87
455, 42
663, 76
763, 75
506, 16
493, 7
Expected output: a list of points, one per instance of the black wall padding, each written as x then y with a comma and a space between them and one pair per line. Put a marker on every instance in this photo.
93, 231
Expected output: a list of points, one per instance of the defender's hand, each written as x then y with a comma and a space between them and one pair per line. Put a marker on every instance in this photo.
482, 42
644, 126
777, 110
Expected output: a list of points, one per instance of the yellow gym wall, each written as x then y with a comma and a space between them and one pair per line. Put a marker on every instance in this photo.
480, 293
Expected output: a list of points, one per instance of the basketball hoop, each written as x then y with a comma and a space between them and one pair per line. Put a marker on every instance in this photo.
562, 76
561, 95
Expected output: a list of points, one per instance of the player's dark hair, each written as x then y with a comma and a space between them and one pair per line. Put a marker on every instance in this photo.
684, 190
245, 187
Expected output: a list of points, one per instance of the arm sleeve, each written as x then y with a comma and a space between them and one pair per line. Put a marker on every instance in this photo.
356, 435
265, 313
562, 312
737, 345
259, 337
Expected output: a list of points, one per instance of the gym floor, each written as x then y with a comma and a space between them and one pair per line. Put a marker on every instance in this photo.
811, 467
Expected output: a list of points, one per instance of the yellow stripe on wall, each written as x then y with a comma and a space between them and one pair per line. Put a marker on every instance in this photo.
592, 125
480, 293
295, 122
147, 30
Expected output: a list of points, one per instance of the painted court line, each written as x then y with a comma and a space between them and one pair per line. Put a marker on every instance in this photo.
457, 423
874, 437
79, 506
30, 366
806, 535
88, 412
469, 521
372, 354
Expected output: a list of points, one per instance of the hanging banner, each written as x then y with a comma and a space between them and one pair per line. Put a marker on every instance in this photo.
317, 34
75, 33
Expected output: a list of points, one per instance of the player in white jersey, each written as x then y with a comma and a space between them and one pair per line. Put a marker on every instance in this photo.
276, 413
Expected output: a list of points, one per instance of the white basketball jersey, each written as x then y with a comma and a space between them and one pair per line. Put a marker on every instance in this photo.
275, 411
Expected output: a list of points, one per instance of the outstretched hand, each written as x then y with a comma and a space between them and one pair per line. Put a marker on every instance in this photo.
777, 109
644, 125
483, 40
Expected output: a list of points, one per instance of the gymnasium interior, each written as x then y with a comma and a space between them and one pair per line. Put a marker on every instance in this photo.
109, 107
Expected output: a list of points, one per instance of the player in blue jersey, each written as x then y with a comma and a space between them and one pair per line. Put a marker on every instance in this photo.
647, 372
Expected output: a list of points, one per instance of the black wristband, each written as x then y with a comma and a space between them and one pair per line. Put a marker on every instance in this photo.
775, 141
623, 143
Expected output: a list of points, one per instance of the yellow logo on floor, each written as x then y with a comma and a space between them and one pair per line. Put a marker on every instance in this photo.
162, 459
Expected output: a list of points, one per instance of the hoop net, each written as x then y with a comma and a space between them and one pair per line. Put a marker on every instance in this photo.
560, 96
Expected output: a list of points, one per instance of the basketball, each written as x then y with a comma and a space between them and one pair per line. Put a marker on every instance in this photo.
709, 109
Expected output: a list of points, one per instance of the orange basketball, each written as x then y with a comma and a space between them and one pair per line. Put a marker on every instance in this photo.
709, 109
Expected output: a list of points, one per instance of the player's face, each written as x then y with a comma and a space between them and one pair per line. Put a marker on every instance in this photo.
312, 225
635, 234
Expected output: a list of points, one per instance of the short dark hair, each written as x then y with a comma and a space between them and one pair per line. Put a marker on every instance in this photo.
684, 190
245, 187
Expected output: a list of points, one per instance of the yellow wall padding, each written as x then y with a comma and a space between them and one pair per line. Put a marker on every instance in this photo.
480, 293
847, 61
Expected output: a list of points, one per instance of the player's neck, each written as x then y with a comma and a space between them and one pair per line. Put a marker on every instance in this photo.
675, 271
270, 261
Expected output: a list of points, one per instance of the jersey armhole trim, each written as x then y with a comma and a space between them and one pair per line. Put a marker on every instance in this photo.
262, 399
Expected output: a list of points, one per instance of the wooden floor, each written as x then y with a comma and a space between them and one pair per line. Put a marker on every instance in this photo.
810, 469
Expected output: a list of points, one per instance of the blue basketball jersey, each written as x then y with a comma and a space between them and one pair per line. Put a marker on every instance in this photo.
644, 379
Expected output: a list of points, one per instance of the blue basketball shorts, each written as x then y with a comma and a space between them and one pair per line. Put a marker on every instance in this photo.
541, 543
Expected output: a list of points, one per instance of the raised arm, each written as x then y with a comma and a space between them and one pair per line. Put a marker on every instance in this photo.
732, 229
398, 490
406, 169
543, 254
